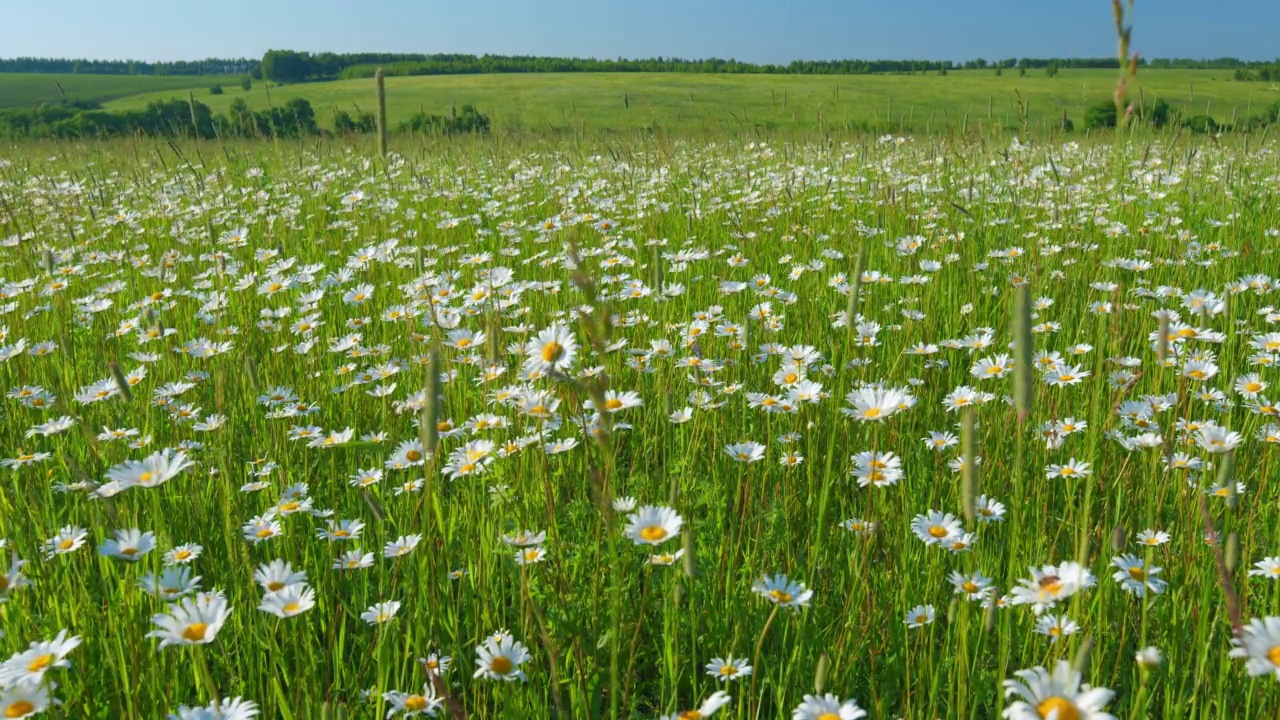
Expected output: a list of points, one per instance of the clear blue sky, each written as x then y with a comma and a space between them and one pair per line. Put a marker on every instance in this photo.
752, 30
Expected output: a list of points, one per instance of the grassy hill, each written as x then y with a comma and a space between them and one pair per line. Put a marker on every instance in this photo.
695, 103
22, 89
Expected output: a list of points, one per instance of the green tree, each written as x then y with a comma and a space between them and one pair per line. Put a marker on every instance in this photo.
1102, 115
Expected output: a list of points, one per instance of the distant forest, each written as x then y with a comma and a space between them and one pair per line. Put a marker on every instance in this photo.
288, 66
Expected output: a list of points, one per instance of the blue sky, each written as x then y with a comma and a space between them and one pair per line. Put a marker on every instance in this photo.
752, 30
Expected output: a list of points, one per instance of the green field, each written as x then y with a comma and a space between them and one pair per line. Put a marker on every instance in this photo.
22, 89
633, 426
689, 104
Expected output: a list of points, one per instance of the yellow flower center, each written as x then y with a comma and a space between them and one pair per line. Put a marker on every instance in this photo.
612, 404
1253, 387
828, 716
728, 671
291, 608
530, 555
195, 632
275, 586
871, 412
501, 665
969, 586
41, 663
653, 533
1058, 709
66, 544
265, 532
413, 456
780, 596
21, 708
1137, 573
146, 477
937, 531
129, 551
552, 351
1274, 655
415, 703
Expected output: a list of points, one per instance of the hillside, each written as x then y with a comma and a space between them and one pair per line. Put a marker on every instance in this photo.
694, 103
22, 89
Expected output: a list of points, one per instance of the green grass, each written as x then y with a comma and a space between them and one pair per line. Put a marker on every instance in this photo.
703, 104
23, 89
655, 228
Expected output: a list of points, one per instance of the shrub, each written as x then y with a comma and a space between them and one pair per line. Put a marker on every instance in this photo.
1201, 124
1102, 115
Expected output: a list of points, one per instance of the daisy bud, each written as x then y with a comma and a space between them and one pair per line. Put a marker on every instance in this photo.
1081, 663
687, 537
820, 677
1022, 380
1233, 552
1226, 469
381, 89
1119, 538
968, 471
1162, 342
251, 373
121, 384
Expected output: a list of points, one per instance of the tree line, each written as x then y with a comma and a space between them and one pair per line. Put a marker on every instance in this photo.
292, 66
209, 66
193, 119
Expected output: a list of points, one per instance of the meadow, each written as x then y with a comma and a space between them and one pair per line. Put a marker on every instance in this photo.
887, 427
23, 89
711, 105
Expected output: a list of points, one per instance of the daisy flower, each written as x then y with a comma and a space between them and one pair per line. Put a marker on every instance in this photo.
1055, 696
500, 659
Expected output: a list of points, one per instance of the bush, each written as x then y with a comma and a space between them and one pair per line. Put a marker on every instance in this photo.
469, 121
1102, 115
215, 90
1201, 124
246, 83
344, 124
1157, 115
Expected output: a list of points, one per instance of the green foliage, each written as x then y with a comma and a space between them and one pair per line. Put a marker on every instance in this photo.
345, 124
469, 121
1157, 114
1100, 116
1201, 124
162, 118
215, 90
246, 82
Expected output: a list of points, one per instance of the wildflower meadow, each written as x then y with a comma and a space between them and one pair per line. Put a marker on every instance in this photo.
934, 427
